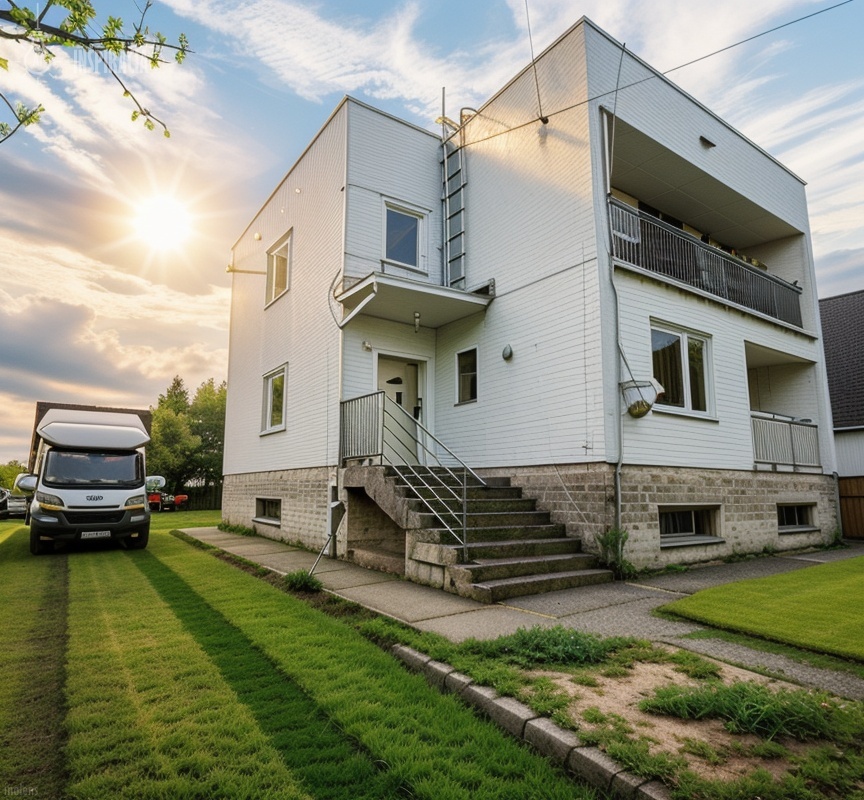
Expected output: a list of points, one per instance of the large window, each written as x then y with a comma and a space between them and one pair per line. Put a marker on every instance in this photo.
466, 375
680, 361
403, 236
279, 268
273, 417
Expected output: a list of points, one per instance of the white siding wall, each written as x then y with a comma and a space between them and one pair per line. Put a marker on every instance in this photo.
850, 454
389, 159
671, 117
297, 328
675, 120
530, 227
724, 442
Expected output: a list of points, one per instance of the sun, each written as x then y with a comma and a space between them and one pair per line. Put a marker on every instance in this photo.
163, 222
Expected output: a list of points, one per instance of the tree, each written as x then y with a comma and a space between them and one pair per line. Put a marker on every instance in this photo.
9, 471
187, 438
207, 421
69, 23
176, 397
172, 448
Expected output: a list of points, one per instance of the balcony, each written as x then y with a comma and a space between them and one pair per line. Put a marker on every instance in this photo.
642, 241
783, 442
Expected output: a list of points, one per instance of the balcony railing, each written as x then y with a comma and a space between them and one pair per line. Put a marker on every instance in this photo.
646, 242
784, 441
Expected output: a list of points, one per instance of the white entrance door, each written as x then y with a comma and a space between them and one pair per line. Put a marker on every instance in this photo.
399, 379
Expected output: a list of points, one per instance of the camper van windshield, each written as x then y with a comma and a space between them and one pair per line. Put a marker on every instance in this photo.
71, 468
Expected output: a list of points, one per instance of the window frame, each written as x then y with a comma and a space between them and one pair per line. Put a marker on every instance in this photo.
707, 523
685, 336
460, 400
261, 509
285, 243
807, 510
416, 213
267, 405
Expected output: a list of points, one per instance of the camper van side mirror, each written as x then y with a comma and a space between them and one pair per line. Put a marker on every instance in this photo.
26, 483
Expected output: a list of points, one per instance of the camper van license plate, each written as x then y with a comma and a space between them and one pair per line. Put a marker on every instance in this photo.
95, 534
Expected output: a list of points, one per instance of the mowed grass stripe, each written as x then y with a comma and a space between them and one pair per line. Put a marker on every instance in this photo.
32, 661
149, 713
433, 742
326, 763
818, 608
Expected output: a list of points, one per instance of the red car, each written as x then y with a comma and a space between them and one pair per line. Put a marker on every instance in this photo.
162, 501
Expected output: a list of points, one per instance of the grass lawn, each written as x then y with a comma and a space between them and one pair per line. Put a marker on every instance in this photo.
166, 673
818, 608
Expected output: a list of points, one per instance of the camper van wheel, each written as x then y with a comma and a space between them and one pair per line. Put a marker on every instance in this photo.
139, 542
37, 546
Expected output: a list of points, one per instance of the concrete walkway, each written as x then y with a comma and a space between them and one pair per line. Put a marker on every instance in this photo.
613, 609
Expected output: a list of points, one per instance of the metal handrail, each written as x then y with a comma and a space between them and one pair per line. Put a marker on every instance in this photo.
377, 428
651, 244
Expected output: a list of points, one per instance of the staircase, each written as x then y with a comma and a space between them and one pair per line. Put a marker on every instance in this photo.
510, 548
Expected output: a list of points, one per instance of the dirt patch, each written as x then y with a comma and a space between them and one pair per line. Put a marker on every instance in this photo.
709, 749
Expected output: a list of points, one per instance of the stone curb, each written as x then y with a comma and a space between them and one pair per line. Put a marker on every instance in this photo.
559, 745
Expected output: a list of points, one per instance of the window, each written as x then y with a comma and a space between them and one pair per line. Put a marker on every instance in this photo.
279, 268
678, 523
403, 236
466, 375
273, 418
793, 519
268, 510
680, 362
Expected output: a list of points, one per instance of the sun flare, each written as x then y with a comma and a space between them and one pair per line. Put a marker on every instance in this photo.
163, 222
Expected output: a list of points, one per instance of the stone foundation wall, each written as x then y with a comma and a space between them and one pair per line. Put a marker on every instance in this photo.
582, 497
304, 497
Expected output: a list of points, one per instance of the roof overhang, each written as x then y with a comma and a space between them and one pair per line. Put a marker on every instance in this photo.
398, 299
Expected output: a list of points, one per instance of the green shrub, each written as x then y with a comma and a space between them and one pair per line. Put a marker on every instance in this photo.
302, 581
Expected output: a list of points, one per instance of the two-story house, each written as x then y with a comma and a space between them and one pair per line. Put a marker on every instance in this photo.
591, 288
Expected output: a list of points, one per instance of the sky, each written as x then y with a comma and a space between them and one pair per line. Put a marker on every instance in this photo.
98, 306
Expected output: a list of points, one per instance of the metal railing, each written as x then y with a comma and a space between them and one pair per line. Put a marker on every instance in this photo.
376, 429
644, 241
779, 440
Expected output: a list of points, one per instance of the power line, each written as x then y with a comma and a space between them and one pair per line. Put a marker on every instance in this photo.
652, 77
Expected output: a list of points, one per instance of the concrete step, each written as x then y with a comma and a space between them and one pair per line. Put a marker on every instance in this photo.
518, 548
474, 492
420, 476
484, 505
502, 534
492, 569
503, 519
494, 591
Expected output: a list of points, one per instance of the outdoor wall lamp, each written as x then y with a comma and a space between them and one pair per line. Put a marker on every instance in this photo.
416, 321
367, 345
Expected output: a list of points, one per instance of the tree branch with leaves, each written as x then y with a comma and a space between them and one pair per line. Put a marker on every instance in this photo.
72, 24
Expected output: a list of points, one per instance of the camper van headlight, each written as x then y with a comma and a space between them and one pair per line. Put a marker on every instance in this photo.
50, 502
136, 501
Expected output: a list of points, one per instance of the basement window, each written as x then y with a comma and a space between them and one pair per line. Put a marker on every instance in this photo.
795, 518
268, 511
680, 526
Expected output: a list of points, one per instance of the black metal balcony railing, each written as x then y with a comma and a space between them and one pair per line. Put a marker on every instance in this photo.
646, 242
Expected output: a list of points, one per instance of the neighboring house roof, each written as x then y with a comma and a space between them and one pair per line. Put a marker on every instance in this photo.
843, 337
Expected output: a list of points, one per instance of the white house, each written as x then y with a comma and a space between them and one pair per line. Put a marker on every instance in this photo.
506, 300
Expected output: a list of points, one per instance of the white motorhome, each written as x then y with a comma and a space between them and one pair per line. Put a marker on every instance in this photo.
87, 476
